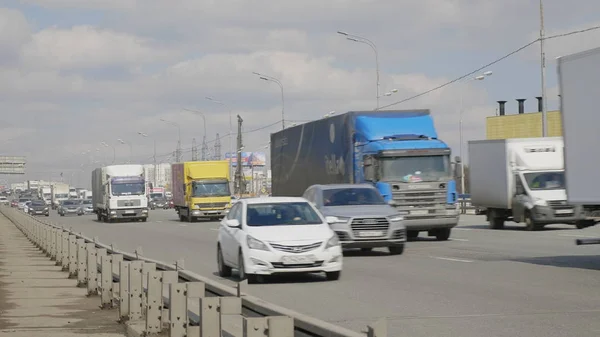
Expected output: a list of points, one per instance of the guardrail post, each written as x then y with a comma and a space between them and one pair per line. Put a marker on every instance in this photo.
241, 288
106, 283
168, 278
53, 240
255, 326
64, 256
177, 310
81, 262
116, 259
377, 329
147, 267
135, 290
92, 269
123, 290
210, 309
46, 239
228, 306
72, 255
154, 302
59, 248
280, 326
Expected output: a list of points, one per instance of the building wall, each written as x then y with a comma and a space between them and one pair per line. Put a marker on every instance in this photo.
522, 125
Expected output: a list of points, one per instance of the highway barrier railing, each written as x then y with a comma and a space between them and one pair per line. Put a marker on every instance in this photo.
167, 298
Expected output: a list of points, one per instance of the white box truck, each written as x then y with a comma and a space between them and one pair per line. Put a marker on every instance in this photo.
521, 179
579, 84
60, 192
119, 192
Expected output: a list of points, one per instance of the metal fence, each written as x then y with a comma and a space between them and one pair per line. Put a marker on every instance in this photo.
166, 298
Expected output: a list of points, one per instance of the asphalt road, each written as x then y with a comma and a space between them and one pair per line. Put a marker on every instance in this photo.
480, 283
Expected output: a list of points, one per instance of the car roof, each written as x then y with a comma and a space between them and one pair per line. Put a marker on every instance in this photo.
338, 186
271, 200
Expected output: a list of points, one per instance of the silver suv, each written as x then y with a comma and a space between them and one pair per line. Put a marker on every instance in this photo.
363, 219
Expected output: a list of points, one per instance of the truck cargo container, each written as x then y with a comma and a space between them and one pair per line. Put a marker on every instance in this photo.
201, 189
396, 151
521, 179
119, 192
579, 84
59, 192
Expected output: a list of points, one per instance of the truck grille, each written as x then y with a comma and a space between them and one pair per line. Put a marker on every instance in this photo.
419, 198
129, 203
297, 249
559, 204
212, 205
361, 226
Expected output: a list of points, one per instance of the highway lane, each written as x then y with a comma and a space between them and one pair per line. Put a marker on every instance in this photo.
481, 283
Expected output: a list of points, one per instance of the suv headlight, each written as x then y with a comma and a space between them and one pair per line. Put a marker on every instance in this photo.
256, 244
333, 242
396, 217
342, 219
540, 202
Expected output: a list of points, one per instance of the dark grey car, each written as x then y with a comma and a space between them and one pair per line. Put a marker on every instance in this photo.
38, 207
363, 219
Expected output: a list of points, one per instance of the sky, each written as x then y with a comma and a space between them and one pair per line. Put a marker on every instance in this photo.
74, 73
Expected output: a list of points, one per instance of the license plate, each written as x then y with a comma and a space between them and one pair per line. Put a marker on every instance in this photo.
419, 212
298, 259
370, 234
129, 212
212, 212
563, 211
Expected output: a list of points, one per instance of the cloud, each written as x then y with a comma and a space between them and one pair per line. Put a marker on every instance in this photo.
87, 4
14, 33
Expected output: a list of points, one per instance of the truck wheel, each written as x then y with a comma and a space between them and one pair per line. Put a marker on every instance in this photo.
495, 221
181, 218
396, 249
584, 224
442, 234
98, 217
530, 225
144, 219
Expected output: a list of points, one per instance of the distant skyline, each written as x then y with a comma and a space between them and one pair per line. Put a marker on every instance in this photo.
74, 74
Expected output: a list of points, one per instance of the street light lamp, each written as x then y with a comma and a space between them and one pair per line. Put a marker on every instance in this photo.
360, 39
460, 126
179, 137
278, 82
114, 150
154, 139
130, 148
329, 114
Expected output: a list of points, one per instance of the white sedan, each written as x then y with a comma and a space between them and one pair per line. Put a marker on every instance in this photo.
277, 235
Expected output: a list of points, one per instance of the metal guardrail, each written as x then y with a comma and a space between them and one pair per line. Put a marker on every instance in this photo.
162, 294
466, 207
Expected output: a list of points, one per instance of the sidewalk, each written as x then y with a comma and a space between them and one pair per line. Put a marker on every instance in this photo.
38, 300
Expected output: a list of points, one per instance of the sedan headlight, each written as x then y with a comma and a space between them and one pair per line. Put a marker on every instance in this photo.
396, 217
540, 202
256, 244
45, 209
333, 242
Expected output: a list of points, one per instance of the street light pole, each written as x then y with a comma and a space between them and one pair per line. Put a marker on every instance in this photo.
543, 73
204, 146
154, 139
226, 106
278, 82
460, 126
178, 159
360, 39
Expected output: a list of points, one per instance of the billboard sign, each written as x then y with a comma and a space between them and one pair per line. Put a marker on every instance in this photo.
12, 165
248, 158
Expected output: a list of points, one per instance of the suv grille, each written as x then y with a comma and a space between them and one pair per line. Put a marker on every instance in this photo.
297, 249
366, 228
212, 205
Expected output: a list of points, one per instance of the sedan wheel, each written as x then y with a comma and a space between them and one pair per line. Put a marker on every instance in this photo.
242, 271
224, 270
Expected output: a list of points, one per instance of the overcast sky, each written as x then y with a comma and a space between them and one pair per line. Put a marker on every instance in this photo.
75, 73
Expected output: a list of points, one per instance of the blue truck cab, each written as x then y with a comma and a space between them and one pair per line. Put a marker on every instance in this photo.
395, 150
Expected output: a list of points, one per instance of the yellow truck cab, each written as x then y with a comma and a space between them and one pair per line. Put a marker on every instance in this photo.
201, 189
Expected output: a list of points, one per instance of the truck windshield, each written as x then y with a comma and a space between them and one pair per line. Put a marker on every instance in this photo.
128, 188
210, 189
414, 169
549, 180
352, 196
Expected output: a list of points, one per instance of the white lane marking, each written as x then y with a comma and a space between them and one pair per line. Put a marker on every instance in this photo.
463, 229
578, 236
214, 229
182, 225
453, 239
158, 221
449, 259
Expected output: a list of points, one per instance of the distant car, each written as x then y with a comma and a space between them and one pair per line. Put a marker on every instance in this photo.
26, 206
4, 200
267, 236
69, 206
21, 203
159, 202
38, 207
363, 219
170, 203
85, 207
14, 203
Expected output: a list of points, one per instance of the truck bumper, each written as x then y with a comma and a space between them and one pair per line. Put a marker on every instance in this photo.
137, 213
548, 216
425, 224
210, 213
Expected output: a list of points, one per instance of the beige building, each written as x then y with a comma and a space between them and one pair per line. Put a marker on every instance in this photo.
522, 124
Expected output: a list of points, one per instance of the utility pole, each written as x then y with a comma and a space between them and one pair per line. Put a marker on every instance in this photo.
543, 71
204, 149
239, 177
217, 154
194, 150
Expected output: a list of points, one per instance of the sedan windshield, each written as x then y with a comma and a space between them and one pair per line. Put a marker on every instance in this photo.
87, 202
71, 202
277, 214
23, 200
38, 203
352, 196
